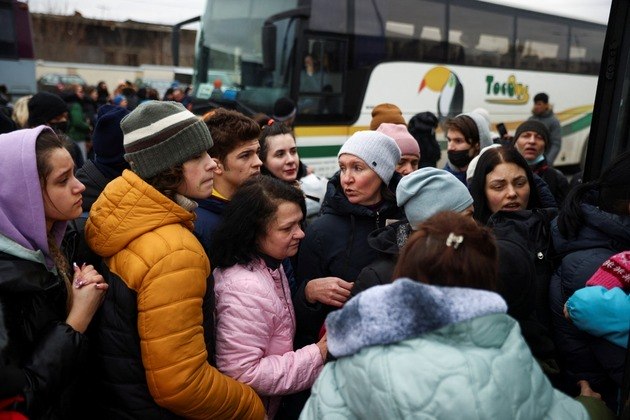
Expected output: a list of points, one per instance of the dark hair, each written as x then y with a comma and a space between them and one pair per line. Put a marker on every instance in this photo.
269, 130
168, 181
427, 258
489, 160
541, 97
229, 129
611, 193
246, 218
467, 126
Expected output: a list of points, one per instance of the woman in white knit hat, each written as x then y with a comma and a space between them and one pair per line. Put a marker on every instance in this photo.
360, 199
155, 332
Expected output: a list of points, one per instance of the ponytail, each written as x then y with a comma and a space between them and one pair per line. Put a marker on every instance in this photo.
63, 268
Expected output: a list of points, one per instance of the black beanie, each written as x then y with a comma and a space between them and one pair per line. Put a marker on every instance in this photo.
107, 139
536, 127
283, 109
43, 107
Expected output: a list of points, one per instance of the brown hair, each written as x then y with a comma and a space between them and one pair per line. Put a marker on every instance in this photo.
46, 143
428, 258
168, 181
273, 128
466, 126
229, 129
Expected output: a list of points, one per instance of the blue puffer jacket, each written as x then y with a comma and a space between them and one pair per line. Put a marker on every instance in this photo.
586, 357
433, 353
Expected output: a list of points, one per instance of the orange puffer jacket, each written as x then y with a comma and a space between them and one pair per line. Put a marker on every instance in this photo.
147, 244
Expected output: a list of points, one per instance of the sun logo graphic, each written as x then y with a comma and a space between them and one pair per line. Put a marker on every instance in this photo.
451, 92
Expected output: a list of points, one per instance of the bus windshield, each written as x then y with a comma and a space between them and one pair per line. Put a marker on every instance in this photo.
229, 49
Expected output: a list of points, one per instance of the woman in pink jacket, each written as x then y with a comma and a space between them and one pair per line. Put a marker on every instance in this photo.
255, 318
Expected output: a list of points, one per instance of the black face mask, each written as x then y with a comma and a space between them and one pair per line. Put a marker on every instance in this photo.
459, 158
59, 127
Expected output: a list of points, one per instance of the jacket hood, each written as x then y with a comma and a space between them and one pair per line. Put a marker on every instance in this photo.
405, 309
601, 229
22, 216
336, 202
127, 209
390, 239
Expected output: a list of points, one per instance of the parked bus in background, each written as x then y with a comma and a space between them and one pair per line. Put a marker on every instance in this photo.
337, 59
17, 60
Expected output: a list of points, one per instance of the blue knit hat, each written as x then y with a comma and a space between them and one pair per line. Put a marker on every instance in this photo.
379, 151
428, 191
107, 139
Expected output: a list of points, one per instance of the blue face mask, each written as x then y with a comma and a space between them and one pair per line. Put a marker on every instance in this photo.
537, 160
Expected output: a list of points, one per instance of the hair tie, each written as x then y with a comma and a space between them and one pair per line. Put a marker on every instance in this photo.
270, 122
454, 240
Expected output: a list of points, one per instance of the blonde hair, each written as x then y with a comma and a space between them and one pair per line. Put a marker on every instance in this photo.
20, 111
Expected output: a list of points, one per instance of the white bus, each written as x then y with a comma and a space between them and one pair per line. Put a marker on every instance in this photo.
443, 56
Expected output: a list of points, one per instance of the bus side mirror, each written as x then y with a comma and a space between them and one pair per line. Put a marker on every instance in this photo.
269, 46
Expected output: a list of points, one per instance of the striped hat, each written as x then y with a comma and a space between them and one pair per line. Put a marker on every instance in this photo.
161, 135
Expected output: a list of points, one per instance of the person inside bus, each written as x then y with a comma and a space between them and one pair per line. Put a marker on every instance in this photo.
409, 149
543, 112
47, 306
593, 224
255, 320
531, 140
235, 149
155, 336
466, 135
436, 343
422, 194
360, 198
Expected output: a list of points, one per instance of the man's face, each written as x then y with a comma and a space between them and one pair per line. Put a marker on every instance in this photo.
241, 163
539, 107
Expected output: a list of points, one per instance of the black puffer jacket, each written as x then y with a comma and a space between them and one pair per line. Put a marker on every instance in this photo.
336, 245
387, 242
586, 357
44, 355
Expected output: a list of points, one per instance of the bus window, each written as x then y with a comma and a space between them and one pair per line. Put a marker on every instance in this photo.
484, 36
585, 50
541, 45
8, 44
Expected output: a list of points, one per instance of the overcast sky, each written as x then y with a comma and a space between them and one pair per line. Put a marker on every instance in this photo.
172, 11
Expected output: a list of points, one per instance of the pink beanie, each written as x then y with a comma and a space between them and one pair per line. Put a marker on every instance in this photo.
405, 141
614, 272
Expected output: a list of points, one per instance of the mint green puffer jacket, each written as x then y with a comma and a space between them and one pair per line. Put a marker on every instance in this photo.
411, 350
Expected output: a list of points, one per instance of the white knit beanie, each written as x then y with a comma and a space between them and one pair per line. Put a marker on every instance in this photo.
160, 135
379, 151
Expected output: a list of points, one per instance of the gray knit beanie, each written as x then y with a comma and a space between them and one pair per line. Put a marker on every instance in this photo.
485, 138
161, 135
428, 191
379, 151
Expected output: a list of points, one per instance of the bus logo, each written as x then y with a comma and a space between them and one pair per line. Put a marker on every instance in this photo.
451, 99
509, 92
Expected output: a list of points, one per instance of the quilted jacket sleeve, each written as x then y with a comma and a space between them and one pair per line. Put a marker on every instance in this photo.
246, 326
602, 313
173, 350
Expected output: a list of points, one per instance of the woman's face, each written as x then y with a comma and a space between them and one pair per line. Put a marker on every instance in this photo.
507, 188
407, 164
284, 233
62, 192
198, 177
282, 157
361, 185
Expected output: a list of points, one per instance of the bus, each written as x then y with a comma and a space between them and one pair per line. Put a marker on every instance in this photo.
17, 59
443, 56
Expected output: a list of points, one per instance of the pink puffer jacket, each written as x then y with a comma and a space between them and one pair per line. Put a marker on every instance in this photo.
255, 329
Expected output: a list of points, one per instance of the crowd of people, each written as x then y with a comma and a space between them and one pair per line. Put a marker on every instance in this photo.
159, 264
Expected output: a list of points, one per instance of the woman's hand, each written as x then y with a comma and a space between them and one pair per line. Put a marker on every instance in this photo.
331, 291
586, 391
323, 346
88, 291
